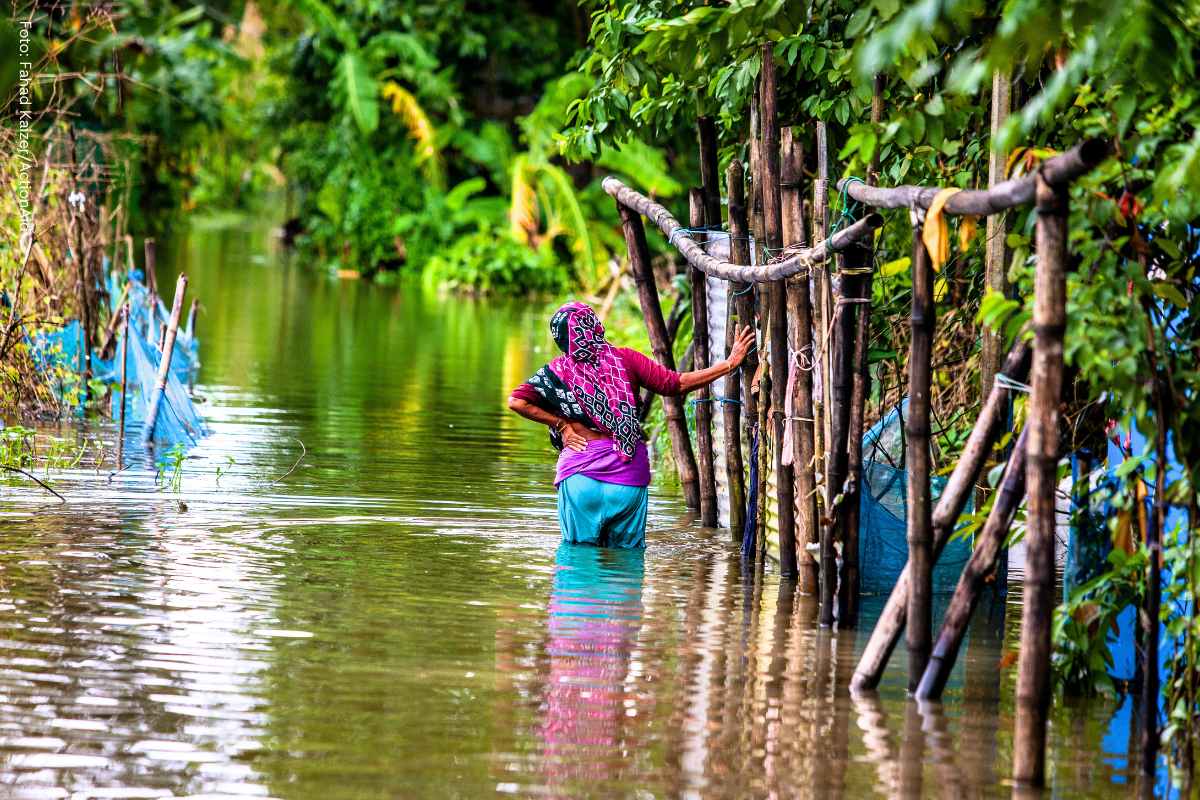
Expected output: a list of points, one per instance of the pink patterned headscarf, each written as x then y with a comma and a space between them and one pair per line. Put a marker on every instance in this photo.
595, 374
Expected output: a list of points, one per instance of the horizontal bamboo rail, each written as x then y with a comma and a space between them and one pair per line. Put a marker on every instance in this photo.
794, 264
1057, 171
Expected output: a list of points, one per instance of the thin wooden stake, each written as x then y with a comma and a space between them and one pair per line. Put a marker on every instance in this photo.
150, 248
989, 545
124, 382
710, 177
701, 360
995, 268
822, 429
800, 342
1049, 323
110, 330
858, 258
1150, 613
778, 323
741, 313
192, 312
918, 463
656, 327
849, 582
164, 364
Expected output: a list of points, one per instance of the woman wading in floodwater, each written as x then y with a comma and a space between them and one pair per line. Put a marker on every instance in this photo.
588, 398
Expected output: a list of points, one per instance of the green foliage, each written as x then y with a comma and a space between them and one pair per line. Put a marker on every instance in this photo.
488, 262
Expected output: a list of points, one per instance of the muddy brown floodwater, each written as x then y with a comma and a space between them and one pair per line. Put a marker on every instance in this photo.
397, 619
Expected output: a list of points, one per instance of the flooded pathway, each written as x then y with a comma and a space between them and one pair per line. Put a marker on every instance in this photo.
395, 618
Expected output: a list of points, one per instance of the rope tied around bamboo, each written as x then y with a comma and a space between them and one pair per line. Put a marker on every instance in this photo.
724, 270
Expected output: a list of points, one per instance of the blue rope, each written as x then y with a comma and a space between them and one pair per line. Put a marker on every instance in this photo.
729, 400
749, 287
751, 502
848, 214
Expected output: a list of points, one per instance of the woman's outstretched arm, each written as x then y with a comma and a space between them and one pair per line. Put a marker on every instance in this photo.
690, 381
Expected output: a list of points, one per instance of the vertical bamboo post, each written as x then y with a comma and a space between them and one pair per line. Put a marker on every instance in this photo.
995, 260
656, 327
821, 366
1151, 609
1046, 373
801, 342
994, 249
701, 360
164, 364
759, 290
191, 317
988, 546
849, 583
710, 177
773, 230
124, 382
841, 377
741, 313
856, 290
150, 248
918, 463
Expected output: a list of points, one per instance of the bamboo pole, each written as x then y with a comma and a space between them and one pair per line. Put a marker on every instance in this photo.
700, 356
857, 288
796, 261
778, 321
643, 276
1056, 171
953, 500
150, 248
164, 364
1150, 613
741, 309
823, 433
1049, 322
995, 273
195, 307
989, 545
710, 176
841, 342
995, 265
849, 582
801, 343
124, 382
110, 330
918, 463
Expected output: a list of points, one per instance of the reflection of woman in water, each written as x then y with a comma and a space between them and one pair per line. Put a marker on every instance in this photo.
595, 614
588, 398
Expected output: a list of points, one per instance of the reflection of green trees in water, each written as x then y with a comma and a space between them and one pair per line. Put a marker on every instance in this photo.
383, 385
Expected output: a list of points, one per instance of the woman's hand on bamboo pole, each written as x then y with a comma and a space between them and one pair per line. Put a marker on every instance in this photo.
741, 347
690, 381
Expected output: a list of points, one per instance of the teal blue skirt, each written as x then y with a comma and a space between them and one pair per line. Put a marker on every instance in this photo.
602, 514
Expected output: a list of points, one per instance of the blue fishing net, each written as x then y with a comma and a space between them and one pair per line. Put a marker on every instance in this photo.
883, 509
178, 420
60, 353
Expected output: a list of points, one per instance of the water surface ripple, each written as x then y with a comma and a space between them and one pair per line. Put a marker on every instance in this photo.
396, 617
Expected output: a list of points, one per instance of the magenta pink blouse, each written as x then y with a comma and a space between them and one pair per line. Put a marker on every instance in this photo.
599, 460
